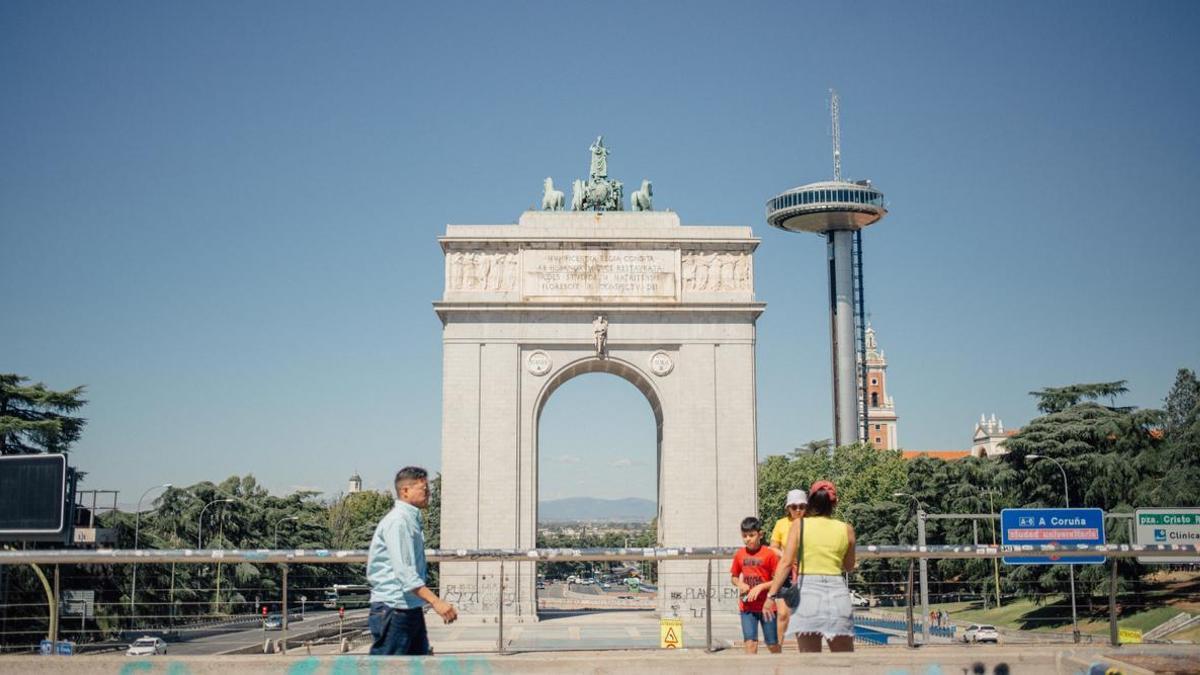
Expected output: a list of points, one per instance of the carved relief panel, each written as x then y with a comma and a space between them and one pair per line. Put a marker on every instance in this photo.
716, 271
481, 271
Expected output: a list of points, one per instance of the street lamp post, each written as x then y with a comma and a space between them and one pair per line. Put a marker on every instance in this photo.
200, 525
1070, 567
923, 564
200, 533
137, 526
995, 562
281, 521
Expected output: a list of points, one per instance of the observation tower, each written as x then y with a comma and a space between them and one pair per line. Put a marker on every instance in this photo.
838, 210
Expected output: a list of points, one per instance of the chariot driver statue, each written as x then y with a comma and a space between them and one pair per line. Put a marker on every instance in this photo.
599, 159
598, 193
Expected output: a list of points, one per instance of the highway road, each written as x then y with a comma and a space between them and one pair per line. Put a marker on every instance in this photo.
242, 637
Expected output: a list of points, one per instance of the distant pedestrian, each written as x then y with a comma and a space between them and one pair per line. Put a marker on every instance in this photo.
752, 570
794, 505
396, 570
824, 548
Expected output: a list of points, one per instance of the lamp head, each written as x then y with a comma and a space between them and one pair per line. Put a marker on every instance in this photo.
1035, 456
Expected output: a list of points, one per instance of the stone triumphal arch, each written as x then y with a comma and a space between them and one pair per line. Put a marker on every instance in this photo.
527, 307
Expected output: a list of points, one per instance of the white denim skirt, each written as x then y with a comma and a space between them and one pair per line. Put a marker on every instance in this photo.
824, 608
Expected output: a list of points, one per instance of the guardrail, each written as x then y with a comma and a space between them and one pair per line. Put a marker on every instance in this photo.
321, 556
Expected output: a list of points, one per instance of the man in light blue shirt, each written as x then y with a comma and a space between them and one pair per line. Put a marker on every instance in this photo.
396, 570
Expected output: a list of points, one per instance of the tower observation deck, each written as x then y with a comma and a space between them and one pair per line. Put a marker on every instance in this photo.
838, 210
827, 206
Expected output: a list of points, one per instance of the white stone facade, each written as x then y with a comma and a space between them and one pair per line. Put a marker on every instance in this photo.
521, 315
989, 437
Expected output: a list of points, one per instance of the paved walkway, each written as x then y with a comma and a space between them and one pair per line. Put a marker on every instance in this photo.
933, 660
574, 632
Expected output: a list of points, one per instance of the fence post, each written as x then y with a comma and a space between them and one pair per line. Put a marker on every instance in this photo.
283, 642
54, 624
708, 593
1114, 635
500, 637
909, 605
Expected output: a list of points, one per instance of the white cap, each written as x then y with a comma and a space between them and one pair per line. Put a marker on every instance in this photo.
796, 497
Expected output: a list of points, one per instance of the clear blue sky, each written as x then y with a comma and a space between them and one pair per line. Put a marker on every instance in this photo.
221, 217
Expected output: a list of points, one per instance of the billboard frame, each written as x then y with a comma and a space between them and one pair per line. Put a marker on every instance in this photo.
66, 512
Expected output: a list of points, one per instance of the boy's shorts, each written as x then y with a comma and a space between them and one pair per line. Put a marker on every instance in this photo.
750, 623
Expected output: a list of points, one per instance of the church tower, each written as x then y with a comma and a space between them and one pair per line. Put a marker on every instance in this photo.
355, 484
881, 410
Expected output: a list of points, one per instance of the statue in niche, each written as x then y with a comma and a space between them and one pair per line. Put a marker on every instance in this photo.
641, 200
600, 334
552, 200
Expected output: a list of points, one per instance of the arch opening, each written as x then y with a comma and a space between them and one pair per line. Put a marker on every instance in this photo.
599, 483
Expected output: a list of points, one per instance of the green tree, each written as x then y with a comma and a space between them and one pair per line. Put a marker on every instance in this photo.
34, 419
813, 447
352, 519
1057, 399
1179, 408
1172, 470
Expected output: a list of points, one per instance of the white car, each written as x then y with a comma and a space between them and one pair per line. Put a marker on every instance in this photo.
147, 646
981, 633
858, 600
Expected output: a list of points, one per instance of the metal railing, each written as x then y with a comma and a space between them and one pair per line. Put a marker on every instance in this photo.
891, 591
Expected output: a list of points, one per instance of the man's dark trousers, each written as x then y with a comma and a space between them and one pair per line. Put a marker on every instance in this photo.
397, 632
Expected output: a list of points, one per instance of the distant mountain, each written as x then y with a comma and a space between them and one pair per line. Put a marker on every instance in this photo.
630, 509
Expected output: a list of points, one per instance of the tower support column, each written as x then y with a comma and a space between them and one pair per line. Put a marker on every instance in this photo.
841, 327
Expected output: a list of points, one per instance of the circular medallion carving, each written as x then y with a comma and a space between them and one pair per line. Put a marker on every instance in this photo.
661, 363
538, 363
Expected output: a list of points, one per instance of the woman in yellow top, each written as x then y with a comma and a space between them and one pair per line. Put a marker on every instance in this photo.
824, 610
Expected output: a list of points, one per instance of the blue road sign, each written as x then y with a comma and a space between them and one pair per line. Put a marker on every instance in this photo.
1051, 526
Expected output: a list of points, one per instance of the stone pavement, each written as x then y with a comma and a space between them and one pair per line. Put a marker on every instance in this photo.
569, 631
933, 660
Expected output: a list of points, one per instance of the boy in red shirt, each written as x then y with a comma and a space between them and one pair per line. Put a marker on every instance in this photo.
752, 571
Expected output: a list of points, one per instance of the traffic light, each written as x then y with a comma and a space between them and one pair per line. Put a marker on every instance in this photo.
341, 612
264, 611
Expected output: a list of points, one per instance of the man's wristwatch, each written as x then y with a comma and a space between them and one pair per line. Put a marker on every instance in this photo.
772, 596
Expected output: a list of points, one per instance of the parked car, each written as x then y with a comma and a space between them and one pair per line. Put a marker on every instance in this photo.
981, 633
273, 622
857, 600
147, 646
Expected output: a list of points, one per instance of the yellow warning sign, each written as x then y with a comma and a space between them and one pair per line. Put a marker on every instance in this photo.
1128, 636
670, 633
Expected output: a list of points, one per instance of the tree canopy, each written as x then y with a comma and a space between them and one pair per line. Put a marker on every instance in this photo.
34, 419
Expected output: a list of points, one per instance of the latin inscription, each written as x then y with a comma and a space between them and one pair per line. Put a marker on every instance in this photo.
620, 275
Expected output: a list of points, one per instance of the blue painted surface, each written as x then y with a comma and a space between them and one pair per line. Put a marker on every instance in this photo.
1051, 526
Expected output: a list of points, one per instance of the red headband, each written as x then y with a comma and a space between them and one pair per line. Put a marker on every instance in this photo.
827, 486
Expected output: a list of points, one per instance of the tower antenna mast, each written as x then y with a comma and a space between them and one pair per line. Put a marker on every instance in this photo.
837, 135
